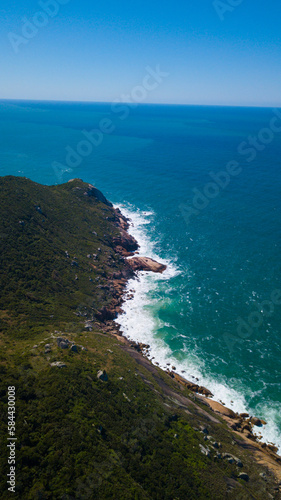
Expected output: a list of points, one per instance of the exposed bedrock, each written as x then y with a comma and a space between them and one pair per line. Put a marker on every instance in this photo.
146, 264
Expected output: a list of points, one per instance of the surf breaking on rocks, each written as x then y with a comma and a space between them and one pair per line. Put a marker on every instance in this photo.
140, 322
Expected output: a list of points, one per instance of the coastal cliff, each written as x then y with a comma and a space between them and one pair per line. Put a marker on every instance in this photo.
95, 418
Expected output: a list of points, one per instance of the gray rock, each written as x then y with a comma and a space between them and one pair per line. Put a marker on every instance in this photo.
204, 429
74, 348
204, 450
243, 476
63, 343
102, 375
232, 459
58, 364
48, 348
89, 325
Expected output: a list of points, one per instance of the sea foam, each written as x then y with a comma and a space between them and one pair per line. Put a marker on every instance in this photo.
140, 323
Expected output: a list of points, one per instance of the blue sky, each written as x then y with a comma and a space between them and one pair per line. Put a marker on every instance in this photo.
93, 51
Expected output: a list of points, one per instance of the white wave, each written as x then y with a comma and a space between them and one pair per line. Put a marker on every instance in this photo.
139, 323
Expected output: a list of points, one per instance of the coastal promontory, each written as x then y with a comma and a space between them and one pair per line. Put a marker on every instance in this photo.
95, 418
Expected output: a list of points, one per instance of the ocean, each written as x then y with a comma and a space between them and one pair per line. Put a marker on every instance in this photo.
202, 187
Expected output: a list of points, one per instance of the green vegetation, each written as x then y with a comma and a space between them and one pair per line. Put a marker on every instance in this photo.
46, 234
134, 437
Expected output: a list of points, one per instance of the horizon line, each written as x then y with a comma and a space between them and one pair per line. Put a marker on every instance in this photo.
143, 103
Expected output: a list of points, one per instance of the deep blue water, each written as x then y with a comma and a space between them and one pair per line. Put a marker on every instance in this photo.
224, 252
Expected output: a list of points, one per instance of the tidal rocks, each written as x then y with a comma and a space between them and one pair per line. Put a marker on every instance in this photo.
246, 428
219, 408
121, 221
272, 447
126, 241
146, 264
191, 386
107, 314
256, 421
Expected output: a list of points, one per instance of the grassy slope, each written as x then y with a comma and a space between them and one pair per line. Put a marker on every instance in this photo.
79, 437
38, 224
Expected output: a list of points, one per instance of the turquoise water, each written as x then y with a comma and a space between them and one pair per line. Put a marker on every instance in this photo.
223, 249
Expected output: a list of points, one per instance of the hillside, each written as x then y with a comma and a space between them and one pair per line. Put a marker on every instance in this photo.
57, 255
94, 418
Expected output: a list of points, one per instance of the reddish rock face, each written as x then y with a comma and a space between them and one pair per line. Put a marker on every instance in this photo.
123, 252
126, 241
146, 264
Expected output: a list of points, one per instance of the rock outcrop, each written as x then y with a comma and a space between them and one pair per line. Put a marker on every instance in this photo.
125, 241
146, 264
190, 385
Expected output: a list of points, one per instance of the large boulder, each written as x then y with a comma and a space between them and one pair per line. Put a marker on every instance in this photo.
243, 476
223, 410
256, 421
146, 264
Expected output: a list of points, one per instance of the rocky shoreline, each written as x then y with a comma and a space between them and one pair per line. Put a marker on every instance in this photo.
81, 384
127, 247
